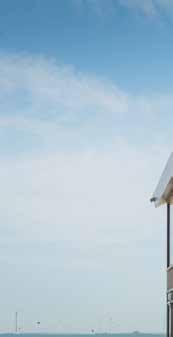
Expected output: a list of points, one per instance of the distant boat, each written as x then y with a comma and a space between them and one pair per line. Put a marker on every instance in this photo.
136, 332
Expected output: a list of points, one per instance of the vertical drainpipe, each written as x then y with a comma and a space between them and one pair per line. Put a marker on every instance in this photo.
168, 260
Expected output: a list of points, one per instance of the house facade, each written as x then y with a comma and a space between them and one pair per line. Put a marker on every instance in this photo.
164, 195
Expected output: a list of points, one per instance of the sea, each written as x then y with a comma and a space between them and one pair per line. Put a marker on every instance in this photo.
134, 334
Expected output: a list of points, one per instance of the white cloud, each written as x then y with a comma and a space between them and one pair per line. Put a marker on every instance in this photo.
83, 216
79, 215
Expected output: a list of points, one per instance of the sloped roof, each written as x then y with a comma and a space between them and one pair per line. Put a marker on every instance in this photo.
164, 190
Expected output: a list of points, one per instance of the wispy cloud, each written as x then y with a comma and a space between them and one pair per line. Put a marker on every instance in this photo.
148, 8
41, 97
52, 100
42, 88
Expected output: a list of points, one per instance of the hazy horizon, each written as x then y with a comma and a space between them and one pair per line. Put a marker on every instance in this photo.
76, 333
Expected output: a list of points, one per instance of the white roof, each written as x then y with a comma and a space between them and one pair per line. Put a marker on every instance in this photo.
164, 190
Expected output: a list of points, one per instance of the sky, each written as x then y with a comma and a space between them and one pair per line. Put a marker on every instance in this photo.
86, 118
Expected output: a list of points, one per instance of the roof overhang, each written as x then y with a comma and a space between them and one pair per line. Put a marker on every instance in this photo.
164, 190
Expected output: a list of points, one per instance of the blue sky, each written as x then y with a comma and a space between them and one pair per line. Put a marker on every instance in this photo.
85, 130
133, 48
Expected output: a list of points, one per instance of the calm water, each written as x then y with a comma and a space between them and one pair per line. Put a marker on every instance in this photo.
83, 335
